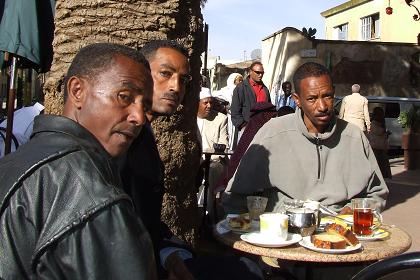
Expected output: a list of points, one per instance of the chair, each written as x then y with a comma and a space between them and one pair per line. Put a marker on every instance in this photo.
388, 266
3, 140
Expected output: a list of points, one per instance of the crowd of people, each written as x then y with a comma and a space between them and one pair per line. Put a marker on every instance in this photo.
82, 198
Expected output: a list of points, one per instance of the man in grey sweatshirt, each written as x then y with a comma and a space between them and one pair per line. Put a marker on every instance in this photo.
308, 155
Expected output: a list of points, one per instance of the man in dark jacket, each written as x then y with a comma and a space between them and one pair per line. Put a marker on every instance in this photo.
143, 175
63, 213
251, 91
143, 171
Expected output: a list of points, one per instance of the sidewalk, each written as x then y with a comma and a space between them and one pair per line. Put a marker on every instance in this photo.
403, 204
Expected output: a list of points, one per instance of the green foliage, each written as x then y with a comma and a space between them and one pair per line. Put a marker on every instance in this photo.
410, 119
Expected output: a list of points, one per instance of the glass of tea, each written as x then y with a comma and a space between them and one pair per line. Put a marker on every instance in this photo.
364, 209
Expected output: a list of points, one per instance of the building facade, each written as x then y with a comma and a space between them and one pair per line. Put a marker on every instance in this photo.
367, 20
381, 68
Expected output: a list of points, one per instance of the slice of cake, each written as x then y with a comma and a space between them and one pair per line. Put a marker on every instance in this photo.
328, 241
241, 222
343, 232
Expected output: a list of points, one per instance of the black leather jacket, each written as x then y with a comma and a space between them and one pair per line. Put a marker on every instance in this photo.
143, 178
63, 214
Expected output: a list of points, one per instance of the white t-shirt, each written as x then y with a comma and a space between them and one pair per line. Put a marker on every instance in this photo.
23, 121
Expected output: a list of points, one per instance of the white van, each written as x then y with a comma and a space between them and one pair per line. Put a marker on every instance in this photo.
392, 107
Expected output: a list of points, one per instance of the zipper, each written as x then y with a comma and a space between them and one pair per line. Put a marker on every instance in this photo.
318, 151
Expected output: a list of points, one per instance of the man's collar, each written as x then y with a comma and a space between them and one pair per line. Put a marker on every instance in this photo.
65, 125
329, 130
253, 83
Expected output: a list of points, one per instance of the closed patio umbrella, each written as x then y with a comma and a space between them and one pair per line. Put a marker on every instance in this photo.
26, 33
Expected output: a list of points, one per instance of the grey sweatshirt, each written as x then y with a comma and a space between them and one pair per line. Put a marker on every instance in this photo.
287, 162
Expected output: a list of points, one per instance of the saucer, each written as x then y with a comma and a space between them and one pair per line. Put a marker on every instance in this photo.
376, 235
256, 238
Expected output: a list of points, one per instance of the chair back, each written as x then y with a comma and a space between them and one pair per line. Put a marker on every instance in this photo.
3, 140
388, 266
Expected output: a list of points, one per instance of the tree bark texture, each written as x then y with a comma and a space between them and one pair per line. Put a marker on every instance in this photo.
133, 23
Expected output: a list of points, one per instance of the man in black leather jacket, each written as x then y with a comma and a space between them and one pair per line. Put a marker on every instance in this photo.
63, 213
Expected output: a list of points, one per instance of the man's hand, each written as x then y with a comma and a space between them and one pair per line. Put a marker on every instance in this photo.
346, 211
176, 268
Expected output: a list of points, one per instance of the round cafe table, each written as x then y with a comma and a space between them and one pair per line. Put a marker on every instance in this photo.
396, 243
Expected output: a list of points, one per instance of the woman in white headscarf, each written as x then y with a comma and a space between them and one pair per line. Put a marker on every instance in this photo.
226, 93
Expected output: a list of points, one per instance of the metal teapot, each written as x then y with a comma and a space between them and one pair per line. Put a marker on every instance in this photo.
302, 221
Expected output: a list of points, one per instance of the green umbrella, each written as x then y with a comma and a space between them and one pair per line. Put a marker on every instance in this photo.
27, 30
26, 33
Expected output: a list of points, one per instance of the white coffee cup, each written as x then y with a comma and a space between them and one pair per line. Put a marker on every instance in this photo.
274, 224
314, 206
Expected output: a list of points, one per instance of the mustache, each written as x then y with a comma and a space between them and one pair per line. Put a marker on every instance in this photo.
323, 114
132, 130
171, 96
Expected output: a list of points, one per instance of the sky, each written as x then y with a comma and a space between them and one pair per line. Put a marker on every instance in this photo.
236, 27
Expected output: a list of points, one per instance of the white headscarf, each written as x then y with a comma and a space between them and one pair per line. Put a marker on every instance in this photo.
204, 93
227, 91
230, 83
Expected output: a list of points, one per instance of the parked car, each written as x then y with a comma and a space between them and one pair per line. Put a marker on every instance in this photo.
392, 107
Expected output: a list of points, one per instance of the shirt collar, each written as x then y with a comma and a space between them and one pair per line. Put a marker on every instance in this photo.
254, 84
329, 130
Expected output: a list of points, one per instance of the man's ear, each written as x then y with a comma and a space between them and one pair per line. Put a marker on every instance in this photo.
295, 97
75, 91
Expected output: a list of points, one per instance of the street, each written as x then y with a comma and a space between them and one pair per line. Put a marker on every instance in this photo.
403, 204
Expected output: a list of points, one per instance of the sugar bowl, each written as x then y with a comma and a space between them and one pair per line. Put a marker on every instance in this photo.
302, 221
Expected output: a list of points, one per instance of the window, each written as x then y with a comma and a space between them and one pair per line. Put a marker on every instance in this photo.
341, 32
370, 27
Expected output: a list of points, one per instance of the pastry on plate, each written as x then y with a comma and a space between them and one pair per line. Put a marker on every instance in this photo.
241, 222
328, 241
339, 230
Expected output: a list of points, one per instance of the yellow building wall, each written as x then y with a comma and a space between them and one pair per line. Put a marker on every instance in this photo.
397, 27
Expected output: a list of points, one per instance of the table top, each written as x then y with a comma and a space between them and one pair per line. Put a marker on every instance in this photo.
213, 152
396, 243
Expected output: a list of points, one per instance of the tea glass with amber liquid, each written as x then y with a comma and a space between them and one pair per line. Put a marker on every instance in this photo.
364, 211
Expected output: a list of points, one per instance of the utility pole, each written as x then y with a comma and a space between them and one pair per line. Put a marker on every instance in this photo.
206, 45
244, 55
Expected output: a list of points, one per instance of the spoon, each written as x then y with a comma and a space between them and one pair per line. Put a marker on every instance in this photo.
334, 214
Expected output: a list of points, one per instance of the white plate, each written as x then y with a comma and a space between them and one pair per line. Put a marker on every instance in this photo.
256, 238
306, 242
255, 226
377, 235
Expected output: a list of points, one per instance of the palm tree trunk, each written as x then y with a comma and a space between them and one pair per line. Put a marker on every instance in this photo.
133, 23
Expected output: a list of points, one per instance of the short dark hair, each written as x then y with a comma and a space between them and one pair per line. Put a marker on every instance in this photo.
150, 48
286, 83
309, 69
95, 58
255, 63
